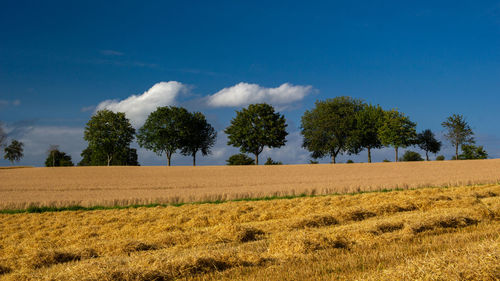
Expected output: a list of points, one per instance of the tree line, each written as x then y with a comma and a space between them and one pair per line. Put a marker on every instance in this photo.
342, 125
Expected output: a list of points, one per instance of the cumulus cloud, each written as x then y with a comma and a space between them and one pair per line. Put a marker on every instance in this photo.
244, 93
138, 107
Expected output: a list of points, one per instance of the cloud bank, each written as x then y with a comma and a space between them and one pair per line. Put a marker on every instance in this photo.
243, 94
138, 107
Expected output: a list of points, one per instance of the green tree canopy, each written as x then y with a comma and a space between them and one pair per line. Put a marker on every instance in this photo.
369, 120
397, 131
200, 136
458, 131
331, 127
470, 151
108, 134
428, 143
57, 158
14, 151
125, 157
256, 127
165, 131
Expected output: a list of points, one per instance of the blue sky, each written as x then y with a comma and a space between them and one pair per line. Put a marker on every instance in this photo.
60, 60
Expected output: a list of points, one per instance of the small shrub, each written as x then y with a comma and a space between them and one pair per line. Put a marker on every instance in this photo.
349, 161
440, 158
240, 159
386, 160
313, 162
411, 156
272, 162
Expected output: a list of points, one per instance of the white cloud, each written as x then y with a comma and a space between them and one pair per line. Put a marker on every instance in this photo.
138, 107
7, 103
244, 93
111, 53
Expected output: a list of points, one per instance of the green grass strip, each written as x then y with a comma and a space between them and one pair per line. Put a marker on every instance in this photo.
153, 205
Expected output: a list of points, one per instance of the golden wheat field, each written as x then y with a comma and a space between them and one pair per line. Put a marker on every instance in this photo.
424, 234
110, 186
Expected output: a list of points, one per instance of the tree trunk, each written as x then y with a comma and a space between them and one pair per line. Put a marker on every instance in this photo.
168, 160
456, 151
194, 159
427, 155
333, 159
256, 158
369, 155
109, 159
396, 149
54, 160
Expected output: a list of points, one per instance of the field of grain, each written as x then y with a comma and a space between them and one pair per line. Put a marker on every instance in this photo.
109, 186
425, 234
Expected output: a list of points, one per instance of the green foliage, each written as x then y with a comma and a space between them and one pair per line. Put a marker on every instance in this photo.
313, 162
125, 157
386, 160
256, 127
349, 161
14, 152
240, 159
428, 143
272, 162
411, 156
108, 134
458, 131
331, 127
200, 136
165, 131
58, 158
440, 158
368, 122
397, 131
470, 151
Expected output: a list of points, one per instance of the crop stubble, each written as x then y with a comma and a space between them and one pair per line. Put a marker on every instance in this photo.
110, 186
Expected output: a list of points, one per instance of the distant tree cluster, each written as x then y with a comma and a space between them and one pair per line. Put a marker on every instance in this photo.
344, 125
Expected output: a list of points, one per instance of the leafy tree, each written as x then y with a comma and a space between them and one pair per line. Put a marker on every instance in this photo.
256, 127
458, 131
397, 131
200, 136
440, 158
57, 158
166, 131
14, 152
428, 142
240, 159
411, 156
3, 136
108, 134
470, 151
369, 120
125, 157
270, 161
331, 127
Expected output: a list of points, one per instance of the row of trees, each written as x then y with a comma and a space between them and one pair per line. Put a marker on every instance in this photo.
347, 125
342, 125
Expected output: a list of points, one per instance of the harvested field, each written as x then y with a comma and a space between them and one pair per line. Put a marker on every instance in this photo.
425, 234
110, 186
